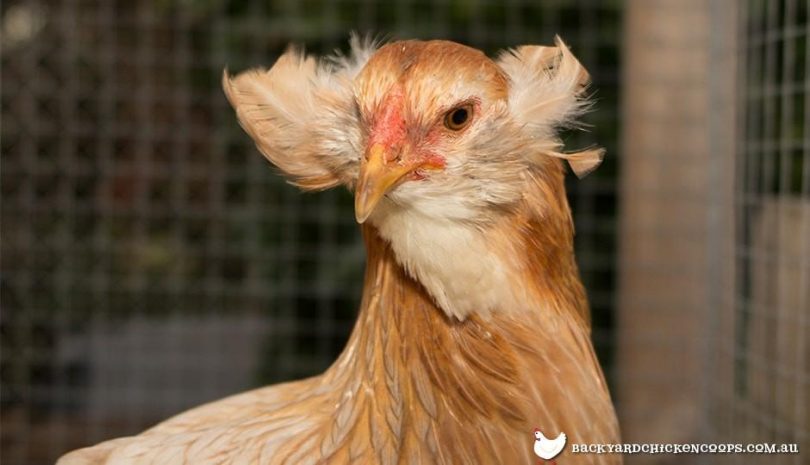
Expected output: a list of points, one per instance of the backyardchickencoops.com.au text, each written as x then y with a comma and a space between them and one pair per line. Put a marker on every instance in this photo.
759, 448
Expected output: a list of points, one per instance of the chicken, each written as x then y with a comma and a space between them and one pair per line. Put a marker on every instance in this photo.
473, 326
546, 448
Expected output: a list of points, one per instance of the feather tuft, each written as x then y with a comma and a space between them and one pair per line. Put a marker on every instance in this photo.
582, 163
301, 114
547, 92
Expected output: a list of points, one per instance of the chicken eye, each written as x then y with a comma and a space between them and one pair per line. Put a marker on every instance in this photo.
458, 118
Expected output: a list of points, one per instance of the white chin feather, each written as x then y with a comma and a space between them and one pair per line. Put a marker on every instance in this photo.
450, 258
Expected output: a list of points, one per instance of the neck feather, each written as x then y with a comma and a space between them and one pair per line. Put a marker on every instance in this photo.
433, 388
416, 384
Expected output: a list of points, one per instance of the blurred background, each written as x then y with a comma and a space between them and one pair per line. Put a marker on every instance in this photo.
152, 260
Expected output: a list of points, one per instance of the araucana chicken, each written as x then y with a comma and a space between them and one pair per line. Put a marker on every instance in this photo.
474, 326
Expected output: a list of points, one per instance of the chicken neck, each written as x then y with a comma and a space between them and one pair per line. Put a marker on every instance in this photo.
420, 378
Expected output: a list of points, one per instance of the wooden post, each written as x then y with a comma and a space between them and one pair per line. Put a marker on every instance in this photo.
676, 208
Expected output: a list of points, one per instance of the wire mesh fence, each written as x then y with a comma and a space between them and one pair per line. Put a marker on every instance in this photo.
151, 258
764, 334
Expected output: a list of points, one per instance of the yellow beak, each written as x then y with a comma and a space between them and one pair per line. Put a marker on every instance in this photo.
377, 177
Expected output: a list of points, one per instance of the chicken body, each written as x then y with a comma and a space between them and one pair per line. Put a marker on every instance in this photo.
473, 328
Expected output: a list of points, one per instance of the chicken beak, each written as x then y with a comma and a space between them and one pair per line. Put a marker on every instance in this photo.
377, 177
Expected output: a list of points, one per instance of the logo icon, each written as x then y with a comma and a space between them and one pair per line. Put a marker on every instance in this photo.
546, 448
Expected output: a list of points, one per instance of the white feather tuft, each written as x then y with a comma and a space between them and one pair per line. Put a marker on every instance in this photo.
301, 114
546, 86
547, 91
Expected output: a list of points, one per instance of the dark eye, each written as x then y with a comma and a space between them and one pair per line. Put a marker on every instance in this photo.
458, 118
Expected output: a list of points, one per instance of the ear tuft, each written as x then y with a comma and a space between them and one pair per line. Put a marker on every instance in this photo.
547, 91
547, 85
301, 114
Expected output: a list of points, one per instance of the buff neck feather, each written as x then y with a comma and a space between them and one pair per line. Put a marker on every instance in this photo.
426, 383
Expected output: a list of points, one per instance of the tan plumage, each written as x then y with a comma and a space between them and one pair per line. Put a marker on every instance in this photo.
473, 328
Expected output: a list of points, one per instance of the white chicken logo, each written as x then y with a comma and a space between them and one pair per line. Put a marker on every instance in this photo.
546, 448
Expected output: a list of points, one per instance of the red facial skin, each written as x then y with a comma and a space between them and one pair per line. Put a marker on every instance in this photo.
389, 129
